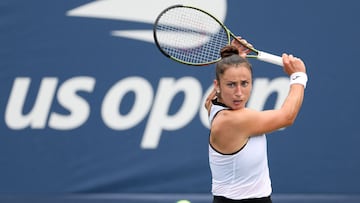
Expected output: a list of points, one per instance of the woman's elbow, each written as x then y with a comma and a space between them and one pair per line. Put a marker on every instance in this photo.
289, 120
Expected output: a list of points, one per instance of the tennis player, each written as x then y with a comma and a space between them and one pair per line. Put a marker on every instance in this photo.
237, 143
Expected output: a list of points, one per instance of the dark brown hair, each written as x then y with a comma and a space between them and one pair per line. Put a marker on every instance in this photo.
230, 57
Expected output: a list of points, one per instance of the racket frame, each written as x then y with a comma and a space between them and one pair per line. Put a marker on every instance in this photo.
260, 55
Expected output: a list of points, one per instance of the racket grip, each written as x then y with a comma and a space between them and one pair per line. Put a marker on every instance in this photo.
270, 58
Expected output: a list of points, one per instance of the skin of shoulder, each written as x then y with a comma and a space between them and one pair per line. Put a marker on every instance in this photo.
231, 129
224, 136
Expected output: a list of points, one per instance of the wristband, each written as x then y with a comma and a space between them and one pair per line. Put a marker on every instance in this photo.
299, 78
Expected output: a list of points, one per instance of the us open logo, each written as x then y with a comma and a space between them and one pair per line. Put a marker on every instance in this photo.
151, 103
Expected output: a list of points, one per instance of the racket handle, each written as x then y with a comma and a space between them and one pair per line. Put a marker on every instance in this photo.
270, 58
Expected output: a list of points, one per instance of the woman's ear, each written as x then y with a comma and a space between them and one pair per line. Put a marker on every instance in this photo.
216, 86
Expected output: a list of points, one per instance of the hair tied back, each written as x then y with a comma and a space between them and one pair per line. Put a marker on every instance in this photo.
228, 50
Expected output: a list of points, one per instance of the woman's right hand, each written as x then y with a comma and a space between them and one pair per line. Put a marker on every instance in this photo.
293, 64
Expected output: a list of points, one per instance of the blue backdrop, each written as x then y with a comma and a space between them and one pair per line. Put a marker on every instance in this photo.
88, 103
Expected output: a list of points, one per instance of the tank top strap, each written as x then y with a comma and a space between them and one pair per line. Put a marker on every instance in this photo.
215, 108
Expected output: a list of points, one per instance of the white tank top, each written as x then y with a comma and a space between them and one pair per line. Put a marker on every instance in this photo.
243, 174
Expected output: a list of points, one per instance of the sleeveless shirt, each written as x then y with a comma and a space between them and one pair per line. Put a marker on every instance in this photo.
243, 174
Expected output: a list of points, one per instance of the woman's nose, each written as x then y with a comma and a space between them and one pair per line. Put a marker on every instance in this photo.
238, 91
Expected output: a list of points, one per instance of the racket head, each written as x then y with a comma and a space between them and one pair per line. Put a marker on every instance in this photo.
190, 35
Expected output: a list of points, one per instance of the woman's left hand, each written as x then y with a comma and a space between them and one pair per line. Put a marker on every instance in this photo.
243, 51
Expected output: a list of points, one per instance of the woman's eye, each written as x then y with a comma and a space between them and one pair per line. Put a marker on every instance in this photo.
244, 83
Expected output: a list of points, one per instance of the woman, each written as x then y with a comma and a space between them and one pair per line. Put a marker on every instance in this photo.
237, 144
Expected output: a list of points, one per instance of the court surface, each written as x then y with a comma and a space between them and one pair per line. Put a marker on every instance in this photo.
168, 198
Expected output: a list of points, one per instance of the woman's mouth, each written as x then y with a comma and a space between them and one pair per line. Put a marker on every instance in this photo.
237, 102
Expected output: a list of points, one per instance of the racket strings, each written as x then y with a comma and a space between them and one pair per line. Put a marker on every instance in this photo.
190, 36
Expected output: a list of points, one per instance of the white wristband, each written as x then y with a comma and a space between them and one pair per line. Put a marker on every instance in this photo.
299, 78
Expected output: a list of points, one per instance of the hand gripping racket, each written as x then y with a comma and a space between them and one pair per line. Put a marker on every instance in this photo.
192, 36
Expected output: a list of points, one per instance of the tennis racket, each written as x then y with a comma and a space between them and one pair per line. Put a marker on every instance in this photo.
192, 36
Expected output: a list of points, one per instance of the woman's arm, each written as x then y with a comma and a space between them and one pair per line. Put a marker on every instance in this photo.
252, 122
